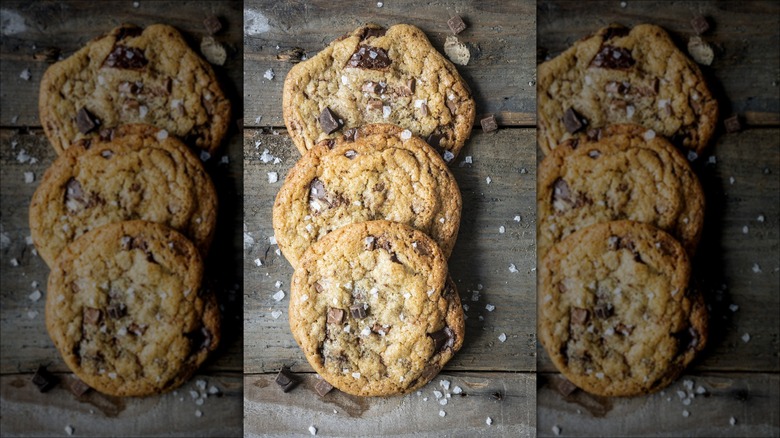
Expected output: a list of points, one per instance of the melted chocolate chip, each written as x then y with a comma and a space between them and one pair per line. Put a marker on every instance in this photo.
328, 121
286, 379
335, 316
444, 338
573, 121
611, 57
85, 121
371, 58
429, 372
128, 58
358, 311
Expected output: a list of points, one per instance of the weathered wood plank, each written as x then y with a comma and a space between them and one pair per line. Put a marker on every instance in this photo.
500, 37
744, 74
753, 400
509, 400
67, 26
27, 412
727, 255
480, 262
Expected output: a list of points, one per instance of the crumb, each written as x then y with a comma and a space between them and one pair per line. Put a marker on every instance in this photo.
457, 390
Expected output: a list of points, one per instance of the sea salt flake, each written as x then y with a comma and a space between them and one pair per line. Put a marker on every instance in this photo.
745, 229
488, 421
490, 307
517, 218
556, 430
438, 394
448, 156
198, 413
25, 74
29, 177
279, 295
35, 295
269, 74
760, 218
276, 314
686, 414
69, 430
444, 384
488, 180
312, 430
502, 337
501, 229
513, 268
732, 421
733, 307
273, 177
746, 338
406, 134
756, 268
258, 262
442, 413
457, 390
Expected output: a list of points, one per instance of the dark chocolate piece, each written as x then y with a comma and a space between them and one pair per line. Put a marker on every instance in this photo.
91, 315
127, 32
700, 24
442, 339
128, 58
350, 135
563, 386
335, 316
116, 310
370, 32
85, 121
561, 191
200, 339
429, 372
212, 24
579, 316
328, 121
374, 87
456, 24
77, 386
317, 191
43, 379
603, 310
74, 192
573, 121
615, 58
489, 123
372, 58
434, 140
286, 379
323, 387
358, 311
732, 124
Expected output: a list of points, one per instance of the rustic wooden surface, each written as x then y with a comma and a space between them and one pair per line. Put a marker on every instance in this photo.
742, 187
27, 29
502, 75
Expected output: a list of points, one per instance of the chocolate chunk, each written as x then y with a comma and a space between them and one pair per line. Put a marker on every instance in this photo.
368, 57
374, 105
323, 387
700, 24
372, 32
434, 140
286, 379
578, 315
452, 106
411, 84
358, 311
349, 135
422, 248
377, 328
561, 191
91, 315
614, 32
200, 339
128, 58
212, 24
444, 338
77, 386
136, 329
563, 386
424, 109
429, 372
374, 87
603, 310
335, 316
85, 121
573, 121
489, 123
116, 310
615, 58
43, 379
128, 32
318, 287
317, 191
456, 24
74, 194
328, 121
732, 124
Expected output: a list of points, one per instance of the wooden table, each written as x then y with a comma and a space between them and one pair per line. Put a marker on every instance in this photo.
738, 261
497, 378
29, 28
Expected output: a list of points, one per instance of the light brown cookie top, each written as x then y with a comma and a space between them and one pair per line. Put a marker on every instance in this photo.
373, 310
383, 173
619, 75
140, 173
628, 173
134, 75
373, 75
616, 314
125, 309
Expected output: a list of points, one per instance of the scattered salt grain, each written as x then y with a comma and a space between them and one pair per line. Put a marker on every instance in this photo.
444, 384
756, 268
457, 390
448, 156
356, 375
700, 390
502, 337
32, 314
198, 413
731, 180
278, 296
258, 262
35, 296
732, 421
199, 402
490, 307
712, 159
745, 229
273, 177
488, 180
556, 430
26, 75
760, 218
276, 314
733, 307
746, 338
442, 413
443, 402
517, 218
29, 177
501, 229
468, 160
312, 430
406, 134
69, 430
272, 240
692, 156
269, 74
438, 394
204, 156
488, 421
513, 268
685, 413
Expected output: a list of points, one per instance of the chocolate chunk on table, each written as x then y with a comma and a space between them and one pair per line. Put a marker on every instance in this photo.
328, 121
323, 387
489, 123
700, 24
456, 24
44, 380
732, 124
286, 379
212, 24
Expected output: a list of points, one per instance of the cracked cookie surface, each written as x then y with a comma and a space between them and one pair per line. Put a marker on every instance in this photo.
140, 173
125, 309
377, 75
621, 75
373, 309
134, 75
628, 173
380, 172
616, 313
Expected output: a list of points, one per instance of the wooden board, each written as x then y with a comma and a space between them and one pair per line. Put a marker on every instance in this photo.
497, 187
28, 28
737, 263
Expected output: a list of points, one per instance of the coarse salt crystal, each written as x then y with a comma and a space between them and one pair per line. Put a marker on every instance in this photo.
69, 430
488, 180
746, 338
269, 74
556, 430
25, 74
204, 156
442, 413
517, 218
502, 337
272, 240
258, 262
501, 229
278, 296
448, 156
599, 375
692, 156
513, 268
490, 307
35, 295
686, 414
312, 430
32, 314
29, 177
276, 314
745, 229
273, 177
733, 307
356, 375
732, 421
731, 180
649, 135
488, 421
756, 268
198, 413
386, 111
760, 218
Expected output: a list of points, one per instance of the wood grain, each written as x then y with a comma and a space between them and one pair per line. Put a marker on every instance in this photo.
500, 37
509, 400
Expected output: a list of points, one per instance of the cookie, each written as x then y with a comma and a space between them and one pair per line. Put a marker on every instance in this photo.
142, 173
616, 314
134, 75
628, 173
377, 75
619, 75
373, 310
125, 309
382, 172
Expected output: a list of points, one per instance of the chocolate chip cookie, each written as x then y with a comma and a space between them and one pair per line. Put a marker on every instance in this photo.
616, 314
373, 309
378, 172
126, 311
138, 172
377, 75
134, 75
625, 172
621, 75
